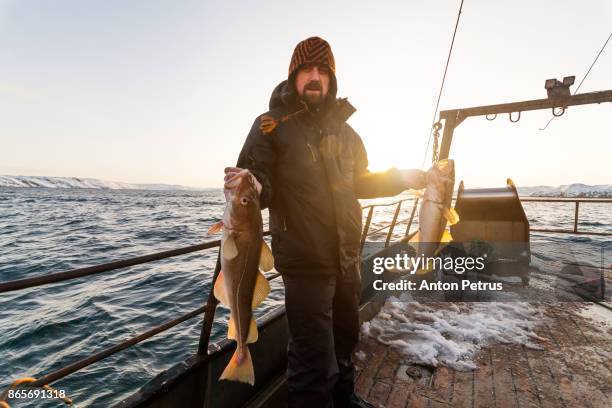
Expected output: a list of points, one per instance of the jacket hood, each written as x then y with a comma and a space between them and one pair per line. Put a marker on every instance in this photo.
282, 96
336, 110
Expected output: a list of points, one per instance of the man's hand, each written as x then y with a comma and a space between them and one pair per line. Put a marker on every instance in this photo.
231, 172
414, 179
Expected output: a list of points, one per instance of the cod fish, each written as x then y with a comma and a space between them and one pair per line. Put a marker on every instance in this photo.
436, 211
240, 284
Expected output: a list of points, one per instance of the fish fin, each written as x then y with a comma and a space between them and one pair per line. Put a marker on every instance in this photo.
229, 249
253, 333
451, 216
261, 290
266, 260
446, 237
240, 368
416, 237
231, 329
219, 289
216, 227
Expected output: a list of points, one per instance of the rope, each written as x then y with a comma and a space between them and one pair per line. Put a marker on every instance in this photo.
442, 84
594, 61
583, 78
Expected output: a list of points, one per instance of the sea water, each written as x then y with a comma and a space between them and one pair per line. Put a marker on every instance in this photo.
44, 231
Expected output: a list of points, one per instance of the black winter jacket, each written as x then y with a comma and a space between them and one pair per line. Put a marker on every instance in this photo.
313, 167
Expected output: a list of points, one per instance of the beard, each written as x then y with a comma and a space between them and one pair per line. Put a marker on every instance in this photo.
313, 98
313, 94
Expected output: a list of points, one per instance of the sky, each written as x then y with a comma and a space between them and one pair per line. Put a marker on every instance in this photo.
166, 91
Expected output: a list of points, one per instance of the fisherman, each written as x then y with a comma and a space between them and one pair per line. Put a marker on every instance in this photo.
311, 167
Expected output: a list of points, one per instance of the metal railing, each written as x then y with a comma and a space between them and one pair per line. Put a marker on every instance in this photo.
209, 307
577, 202
398, 206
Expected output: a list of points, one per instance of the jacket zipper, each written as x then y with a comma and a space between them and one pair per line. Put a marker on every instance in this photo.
312, 152
284, 224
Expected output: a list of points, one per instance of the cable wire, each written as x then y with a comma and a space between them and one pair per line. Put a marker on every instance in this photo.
442, 85
584, 77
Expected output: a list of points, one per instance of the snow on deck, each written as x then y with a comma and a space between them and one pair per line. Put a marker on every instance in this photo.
450, 334
561, 355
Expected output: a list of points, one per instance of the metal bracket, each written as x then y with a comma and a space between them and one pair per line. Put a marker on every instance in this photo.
560, 113
558, 89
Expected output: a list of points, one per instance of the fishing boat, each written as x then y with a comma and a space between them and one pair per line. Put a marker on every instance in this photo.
507, 375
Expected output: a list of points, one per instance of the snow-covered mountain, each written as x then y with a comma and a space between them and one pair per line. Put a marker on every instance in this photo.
75, 182
568, 190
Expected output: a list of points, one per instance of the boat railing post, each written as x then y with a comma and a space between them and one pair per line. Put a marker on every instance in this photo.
209, 311
576, 216
416, 203
392, 226
602, 279
366, 228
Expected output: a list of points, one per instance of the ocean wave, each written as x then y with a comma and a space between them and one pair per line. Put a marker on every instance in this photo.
51, 230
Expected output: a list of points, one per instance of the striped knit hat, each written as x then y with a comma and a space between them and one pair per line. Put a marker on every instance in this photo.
313, 50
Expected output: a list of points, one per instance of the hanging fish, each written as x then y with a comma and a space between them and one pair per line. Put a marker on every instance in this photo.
436, 212
240, 284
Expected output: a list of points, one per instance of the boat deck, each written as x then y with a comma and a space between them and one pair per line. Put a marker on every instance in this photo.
574, 368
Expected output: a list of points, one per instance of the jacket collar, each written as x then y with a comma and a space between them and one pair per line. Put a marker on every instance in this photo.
336, 110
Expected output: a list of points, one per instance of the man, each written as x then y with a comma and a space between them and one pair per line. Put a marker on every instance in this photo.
312, 168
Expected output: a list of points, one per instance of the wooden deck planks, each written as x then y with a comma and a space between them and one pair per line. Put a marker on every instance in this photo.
568, 337
463, 387
388, 367
366, 379
399, 396
544, 381
442, 387
483, 382
527, 394
379, 393
507, 375
417, 401
503, 381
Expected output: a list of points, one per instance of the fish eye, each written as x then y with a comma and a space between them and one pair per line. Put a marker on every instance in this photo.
244, 200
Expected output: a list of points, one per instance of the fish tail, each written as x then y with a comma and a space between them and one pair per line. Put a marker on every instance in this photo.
240, 367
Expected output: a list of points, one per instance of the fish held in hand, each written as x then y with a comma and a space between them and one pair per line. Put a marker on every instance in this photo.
240, 284
436, 212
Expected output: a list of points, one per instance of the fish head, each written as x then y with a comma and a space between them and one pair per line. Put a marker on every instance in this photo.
242, 196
